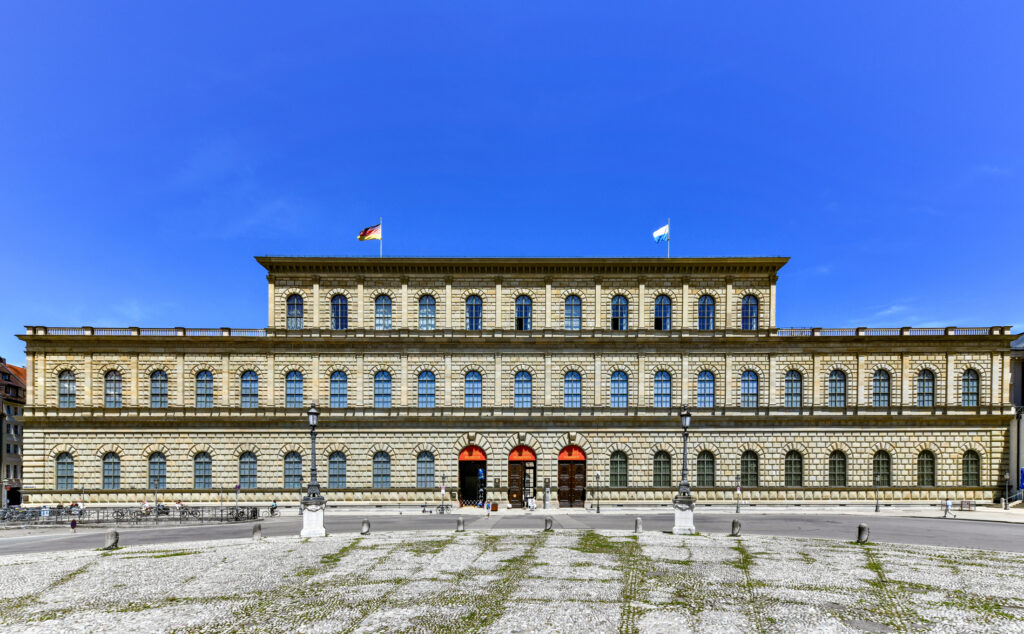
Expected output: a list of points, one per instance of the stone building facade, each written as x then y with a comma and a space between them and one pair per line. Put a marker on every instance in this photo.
525, 371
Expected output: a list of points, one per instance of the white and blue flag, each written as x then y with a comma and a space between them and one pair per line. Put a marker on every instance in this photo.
661, 235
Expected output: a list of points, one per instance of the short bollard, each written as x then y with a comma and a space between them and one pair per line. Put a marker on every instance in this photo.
257, 530
549, 525
638, 525
735, 529
863, 533
460, 525
111, 541
365, 530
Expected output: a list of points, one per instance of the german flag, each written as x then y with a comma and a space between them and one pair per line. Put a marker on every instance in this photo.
370, 233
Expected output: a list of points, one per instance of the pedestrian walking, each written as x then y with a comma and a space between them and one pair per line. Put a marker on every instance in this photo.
949, 509
74, 526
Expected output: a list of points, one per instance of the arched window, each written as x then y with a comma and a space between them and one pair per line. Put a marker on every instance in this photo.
339, 312
748, 389
112, 389
382, 389
250, 389
925, 388
202, 471
794, 469
705, 389
428, 310
794, 389
969, 389
573, 313
618, 470
382, 312
748, 469
837, 389
336, 467
572, 389
247, 470
339, 389
620, 313
706, 313
619, 389
425, 470
293, 470
111, 471
662, 389
881, 466
524, 313
474, 389
293, 389
295, 312
204, 389
972, 469
65, 471
748, 313
66, 389
662, 312
474, 312
425, 392
705, 469
381, 470
662, 469
157, 471
926, 469
158, 389
523, 389
837, 469
880, 389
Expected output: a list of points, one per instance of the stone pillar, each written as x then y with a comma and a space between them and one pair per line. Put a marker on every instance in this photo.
547, 303
316, 302
684, 307
359, 305
403, 318
448, 380
448, 303
270, 303
683, 504
641, 311
598, 324
727, 313
547, 377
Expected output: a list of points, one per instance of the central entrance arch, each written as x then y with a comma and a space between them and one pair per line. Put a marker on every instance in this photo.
472, 476
522, 475
572, 477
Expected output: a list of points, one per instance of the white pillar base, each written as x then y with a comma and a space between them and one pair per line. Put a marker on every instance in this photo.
684, 516
313, 522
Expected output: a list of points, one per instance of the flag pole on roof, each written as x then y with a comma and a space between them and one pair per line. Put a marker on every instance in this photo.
662, 235
374, 233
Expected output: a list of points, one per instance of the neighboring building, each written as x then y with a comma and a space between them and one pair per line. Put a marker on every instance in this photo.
525, 371
1017, 397
12, 405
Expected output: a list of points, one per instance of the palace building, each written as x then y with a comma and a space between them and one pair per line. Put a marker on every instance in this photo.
509, 373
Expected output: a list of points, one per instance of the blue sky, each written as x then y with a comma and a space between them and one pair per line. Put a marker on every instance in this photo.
148, 151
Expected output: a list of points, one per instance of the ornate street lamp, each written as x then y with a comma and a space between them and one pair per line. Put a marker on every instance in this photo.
313, 503
684, 485
683, 502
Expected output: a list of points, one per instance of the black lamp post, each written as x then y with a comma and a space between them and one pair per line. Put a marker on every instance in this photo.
684, 486
313, 495
876, 493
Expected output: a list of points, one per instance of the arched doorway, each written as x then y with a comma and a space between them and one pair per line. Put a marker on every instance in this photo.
472, 476
522, 476
572, 477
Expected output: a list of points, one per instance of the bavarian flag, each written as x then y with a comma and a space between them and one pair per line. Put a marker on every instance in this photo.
370, 233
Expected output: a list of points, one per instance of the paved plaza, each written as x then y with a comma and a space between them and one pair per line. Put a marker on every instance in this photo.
515, 580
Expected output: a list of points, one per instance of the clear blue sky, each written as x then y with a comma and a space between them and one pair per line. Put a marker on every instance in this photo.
148, 150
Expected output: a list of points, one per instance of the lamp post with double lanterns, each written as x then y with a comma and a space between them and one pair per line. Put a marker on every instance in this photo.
682, 504
313, 503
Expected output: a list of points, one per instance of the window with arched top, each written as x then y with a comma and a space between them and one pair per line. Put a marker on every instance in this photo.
794, 476
881, 467
428, 312
705, 389
339, 389
204, 389
381, 470
250, 389
837, 469
662, 389
425, 389
339, 312
620, 313
618, 470
794, 389
474, 312
247, 470
662, 469
705, 469
837, 389
382, 313
293, 470
748, 389
749, 469
706, 313
65, 470
66, 389
474, 389
573, 313
880, 389
157, 471
202, 471
663, 312
971, 469
295, 310
926, 469
293, 389
111, 471
969, 389
382, 389
748, 313
925, 388
572, 389
337, 464
425, 470
523, 390
112, 389
619, 389
524, 313
158, 389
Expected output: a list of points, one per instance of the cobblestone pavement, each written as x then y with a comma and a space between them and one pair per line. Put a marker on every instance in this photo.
502, 581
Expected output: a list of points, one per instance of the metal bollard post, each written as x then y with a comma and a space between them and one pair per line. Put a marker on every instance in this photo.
863, 534
549, 525
638, 525
257, 530
365, 530
460, 525
735, 529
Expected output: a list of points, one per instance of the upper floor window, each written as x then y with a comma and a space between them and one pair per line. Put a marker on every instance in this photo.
474, 312
293, 389
247, 470
428, 310
295, 312
748, 313
705, 389
880, 389
619, 389
158, 389
748, 389
65, 464
662, 389
662, 312
523, 391
111, 471
293, 470
425, 392
339, 312
794, 389
573, 313
250, 389
837, 389
382, 389
620, 313
204, 389
524, 313
157, 471
474, 390
382, 313
339, 389
112, 389
706, 313
618, 469
572, 389
925, 388
969, 389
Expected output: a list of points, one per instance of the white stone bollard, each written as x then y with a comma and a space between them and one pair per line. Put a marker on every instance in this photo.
365, 529
638, 525
460, 525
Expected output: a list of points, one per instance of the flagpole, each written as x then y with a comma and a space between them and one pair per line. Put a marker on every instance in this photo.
381, 223
668, 243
